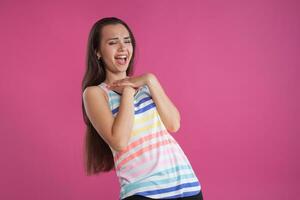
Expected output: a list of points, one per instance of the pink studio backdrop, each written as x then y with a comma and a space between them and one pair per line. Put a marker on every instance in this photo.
231, 68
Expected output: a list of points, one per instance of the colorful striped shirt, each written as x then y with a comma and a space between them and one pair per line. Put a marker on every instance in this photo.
153, 164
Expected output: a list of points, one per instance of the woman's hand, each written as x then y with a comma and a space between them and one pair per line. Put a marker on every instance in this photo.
120, 89
135, 82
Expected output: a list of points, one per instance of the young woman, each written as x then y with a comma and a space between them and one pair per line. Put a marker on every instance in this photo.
129, 120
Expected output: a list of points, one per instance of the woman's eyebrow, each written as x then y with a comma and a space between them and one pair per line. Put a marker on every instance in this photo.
118, 38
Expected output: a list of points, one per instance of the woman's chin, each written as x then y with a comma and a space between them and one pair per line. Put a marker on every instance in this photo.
121, 67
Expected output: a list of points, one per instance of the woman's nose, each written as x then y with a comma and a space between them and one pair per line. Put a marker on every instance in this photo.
121, 46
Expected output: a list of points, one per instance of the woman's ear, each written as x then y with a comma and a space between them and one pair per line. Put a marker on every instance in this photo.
98, 55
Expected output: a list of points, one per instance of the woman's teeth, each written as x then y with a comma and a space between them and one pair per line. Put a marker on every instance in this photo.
121, 59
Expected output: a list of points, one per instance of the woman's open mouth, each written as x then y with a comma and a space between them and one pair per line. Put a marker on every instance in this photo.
121, 59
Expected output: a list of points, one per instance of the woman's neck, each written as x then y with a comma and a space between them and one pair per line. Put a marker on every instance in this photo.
110, 78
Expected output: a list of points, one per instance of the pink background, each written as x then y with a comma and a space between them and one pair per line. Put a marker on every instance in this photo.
231, 67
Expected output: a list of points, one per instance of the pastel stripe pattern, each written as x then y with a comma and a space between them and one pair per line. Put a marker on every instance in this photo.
153, 164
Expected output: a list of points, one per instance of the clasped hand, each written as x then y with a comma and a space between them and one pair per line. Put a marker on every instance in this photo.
134, 82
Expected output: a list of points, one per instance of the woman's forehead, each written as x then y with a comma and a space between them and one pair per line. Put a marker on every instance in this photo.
111, 31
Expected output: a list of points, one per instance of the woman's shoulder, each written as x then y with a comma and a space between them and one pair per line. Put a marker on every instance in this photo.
95, 90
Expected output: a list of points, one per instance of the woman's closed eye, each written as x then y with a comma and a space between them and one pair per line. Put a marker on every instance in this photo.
111, 43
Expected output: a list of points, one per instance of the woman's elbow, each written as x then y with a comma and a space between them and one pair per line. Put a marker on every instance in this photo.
119, 147
174, 127
120, 144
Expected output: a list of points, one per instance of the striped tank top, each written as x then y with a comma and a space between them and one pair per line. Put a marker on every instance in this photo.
153, 164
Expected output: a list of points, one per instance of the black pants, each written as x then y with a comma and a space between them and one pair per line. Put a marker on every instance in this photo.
138, 197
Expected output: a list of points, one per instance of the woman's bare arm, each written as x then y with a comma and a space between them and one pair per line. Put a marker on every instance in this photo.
166, 109
123, 123
114, 131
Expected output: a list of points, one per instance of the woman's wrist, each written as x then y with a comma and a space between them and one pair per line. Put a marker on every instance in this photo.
129, 90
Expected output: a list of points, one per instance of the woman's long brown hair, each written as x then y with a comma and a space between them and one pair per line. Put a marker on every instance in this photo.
97, 154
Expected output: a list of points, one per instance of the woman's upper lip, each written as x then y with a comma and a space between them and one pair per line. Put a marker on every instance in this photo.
121, 55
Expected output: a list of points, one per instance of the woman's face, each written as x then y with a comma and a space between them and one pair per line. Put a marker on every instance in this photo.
116, 47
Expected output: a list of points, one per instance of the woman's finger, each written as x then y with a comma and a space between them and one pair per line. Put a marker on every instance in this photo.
128, 84
125, 83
